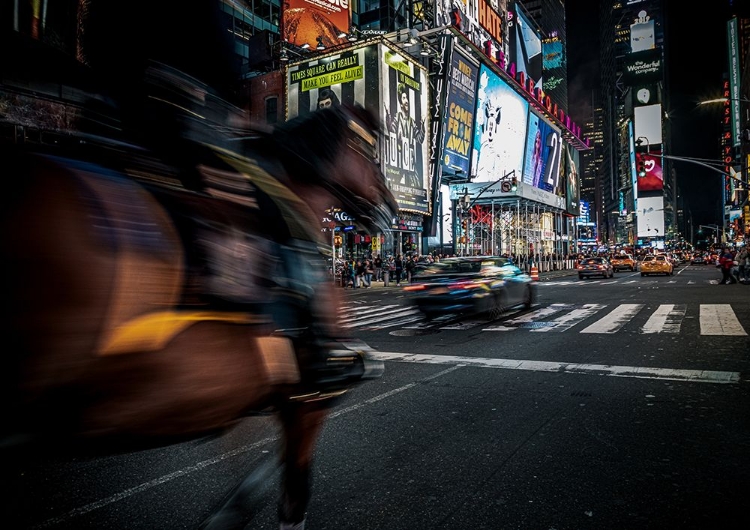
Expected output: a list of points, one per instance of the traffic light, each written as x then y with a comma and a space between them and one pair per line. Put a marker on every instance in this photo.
513, 184
464, 224
641, 167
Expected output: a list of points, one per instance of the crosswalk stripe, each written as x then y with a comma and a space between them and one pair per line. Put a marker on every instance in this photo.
615, 320
364, 321
719, 319
666, 319
568, 320
714, 319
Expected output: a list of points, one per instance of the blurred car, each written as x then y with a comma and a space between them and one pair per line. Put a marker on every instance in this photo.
622, 262
588, 267
698, 259
659, 264
470, 285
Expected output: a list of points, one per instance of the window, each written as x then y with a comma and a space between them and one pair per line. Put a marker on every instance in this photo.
271, 110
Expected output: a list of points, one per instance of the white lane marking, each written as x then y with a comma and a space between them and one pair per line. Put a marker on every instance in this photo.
640, 372
693, 376
719, 319
567, 321
358, 309
539, 313
615, 320
381, 317
666, 319
399, 322
466, 324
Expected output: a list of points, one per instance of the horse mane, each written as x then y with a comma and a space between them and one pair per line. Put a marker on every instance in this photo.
309, 143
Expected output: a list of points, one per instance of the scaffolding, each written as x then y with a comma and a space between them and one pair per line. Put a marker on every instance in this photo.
528, 231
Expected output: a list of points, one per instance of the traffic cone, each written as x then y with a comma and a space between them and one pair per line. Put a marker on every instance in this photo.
534, 273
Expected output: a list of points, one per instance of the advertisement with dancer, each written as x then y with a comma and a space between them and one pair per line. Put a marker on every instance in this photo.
405, 116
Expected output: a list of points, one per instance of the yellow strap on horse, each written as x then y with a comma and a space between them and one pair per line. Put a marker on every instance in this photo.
154, 331
286, 200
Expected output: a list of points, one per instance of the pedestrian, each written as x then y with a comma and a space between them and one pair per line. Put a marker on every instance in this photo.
398, 269
743, 265
378, 268
726, 262
368, 273
360, 272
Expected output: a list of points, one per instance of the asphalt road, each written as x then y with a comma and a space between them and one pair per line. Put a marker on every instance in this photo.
611, 404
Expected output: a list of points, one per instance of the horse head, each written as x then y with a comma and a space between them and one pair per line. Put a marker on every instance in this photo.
336, 148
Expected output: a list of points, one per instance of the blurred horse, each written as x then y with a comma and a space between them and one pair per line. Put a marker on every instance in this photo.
147, 302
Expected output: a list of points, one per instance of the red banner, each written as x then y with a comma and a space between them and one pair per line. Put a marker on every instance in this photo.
307, 20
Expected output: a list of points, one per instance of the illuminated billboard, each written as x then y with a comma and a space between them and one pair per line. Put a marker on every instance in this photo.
642, 67
650, 215
653, 180
349, 77
642, 33
541, 167
483, 22
570, 173
648, 123
459, 118
526, 49
500, 129
404, 87
306, 21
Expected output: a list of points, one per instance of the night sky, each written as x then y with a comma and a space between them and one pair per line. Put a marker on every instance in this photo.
696, 58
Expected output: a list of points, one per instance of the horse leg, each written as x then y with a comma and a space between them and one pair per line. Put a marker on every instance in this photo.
301, 424
237, 510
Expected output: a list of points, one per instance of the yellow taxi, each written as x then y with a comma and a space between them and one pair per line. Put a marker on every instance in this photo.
658, 264
622, 262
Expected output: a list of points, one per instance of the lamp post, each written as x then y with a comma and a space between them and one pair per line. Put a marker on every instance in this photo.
715, 228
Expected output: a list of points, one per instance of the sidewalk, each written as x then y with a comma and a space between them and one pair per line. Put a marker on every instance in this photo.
378, 286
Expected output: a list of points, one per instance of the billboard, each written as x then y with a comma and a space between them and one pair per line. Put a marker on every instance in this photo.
733, 52
650, 215
642, 67
459, 118
404, 86
350, 77
499, 130
570, 173
642, 33
526, 48
648, 123
483, 22
654, 179
541, 167
633, 167
303, 21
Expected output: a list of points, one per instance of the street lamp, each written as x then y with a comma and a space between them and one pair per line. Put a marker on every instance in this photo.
715, 228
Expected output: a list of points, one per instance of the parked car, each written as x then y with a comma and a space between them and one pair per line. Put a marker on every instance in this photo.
595, 267
622, 262
659, 264
470, 285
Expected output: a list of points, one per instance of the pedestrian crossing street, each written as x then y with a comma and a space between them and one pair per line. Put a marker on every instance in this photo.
713, 319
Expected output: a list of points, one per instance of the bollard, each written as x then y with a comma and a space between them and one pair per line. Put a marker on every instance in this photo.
534, 272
